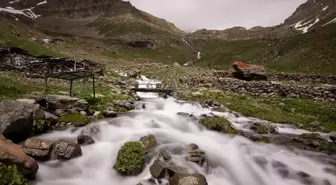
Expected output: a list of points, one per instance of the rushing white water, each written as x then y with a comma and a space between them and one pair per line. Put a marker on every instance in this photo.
233, 156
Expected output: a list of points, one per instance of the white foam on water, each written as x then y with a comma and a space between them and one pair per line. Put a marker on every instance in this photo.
233, 156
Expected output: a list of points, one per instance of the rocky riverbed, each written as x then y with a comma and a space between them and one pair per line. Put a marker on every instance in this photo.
162, 141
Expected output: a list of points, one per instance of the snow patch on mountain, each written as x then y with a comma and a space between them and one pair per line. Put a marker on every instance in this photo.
14, 1
304, 27
41, 3
330, 22
26, 12
325, 8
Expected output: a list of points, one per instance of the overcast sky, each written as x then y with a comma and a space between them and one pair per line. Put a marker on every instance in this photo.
219, 14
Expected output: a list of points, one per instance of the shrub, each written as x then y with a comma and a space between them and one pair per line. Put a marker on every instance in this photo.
9, 175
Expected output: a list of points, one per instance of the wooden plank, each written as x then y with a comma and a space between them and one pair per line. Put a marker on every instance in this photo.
152, 90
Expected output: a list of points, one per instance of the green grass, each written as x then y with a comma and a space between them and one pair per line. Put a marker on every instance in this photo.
130, 159
313, 52
10, 88
281, 110
76, 119
219, 124
9, 38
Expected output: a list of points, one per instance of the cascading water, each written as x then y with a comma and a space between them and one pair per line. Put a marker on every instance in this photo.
232, 160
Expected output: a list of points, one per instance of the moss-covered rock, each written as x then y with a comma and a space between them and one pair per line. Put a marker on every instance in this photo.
219, 124
9, 175
264, 128
148, 141
130, 159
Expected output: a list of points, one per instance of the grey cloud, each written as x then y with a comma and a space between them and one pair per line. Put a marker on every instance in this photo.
219, 14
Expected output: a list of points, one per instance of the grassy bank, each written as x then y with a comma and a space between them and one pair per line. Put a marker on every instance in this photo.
317, 116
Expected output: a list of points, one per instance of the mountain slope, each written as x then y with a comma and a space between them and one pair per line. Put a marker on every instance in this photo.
313, 52
91, 18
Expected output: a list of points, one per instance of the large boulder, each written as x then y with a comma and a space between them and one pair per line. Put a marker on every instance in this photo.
66, 150
13, 154
54, 102
16, 119
37, 148
249, 72
130, 159
185, 179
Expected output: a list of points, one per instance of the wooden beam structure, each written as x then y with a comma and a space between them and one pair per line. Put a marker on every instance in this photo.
71, 76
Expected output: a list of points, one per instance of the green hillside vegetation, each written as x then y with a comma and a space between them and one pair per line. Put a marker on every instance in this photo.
9, 38
313, 52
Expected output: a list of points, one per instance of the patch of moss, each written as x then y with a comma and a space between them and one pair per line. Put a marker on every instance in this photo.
76, 119
130, 159
264, 139
40, 126
219, 124
262, 129
311, 135
9, 175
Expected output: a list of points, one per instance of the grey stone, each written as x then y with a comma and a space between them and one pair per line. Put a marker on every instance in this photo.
183, 179
66, 150
55, 102
157, 169
50, 117
16, 119
110, 114
85, 140
37, 148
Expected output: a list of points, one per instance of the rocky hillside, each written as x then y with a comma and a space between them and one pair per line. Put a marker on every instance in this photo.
312, 15
107, 19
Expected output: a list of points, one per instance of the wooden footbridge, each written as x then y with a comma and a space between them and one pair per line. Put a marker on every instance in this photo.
151, 87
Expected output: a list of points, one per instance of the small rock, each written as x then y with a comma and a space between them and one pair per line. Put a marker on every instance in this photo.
52, 119
183, 179
110, 114
66, 150
37, 148
144, 106
157, 169
83, 113
165, 155
173, 169
85, 140
148, 142
333, 138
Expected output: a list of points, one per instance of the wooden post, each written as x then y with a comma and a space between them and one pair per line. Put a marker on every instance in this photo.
70, 91
93, 86
46, 84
